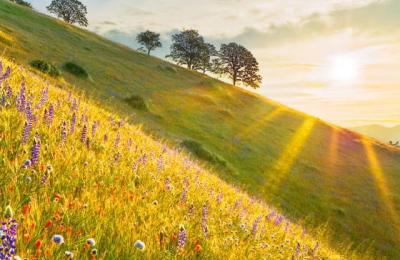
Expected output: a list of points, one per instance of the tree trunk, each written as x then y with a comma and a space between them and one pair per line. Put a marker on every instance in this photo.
148, 52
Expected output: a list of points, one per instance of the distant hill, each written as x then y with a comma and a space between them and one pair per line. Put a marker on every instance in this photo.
379, 132
312, 171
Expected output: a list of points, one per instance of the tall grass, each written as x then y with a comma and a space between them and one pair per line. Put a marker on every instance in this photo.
75, 173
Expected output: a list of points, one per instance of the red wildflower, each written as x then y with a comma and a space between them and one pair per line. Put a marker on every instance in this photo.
49, 223
57, 197
57, 216
38, 244
197, 247
26, 209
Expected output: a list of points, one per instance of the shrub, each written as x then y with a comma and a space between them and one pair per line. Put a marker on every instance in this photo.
46, 68
137, 102
197, 149
22, 2
76, 70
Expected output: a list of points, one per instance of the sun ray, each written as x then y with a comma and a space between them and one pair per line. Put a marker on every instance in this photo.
291, 152
333, 146
256, 125
381, 184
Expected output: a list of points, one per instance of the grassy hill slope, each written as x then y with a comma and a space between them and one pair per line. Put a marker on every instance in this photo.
305, 167
73, 169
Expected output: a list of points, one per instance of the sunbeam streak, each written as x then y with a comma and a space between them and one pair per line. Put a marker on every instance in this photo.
259, 123
381, 184
286, 160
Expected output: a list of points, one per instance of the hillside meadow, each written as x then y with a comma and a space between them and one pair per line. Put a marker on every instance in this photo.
315, 173
78, 180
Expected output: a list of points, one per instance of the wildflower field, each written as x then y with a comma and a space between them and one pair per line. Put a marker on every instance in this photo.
79, 182
313, 172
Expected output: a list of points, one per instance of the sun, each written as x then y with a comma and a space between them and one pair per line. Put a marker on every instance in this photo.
344, 68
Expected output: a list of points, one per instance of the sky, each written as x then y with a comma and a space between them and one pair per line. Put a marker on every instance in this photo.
336, 59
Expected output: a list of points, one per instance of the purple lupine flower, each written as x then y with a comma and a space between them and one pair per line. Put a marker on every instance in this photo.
26, 132
255, 226
45, 116
219, 197
44, 97
28, 112
191, 209
117, 140
94, 128
8, 238
8, 91
243, 212
278, 220
74, 106
44, 178
63, 131
5, 75
73, 122
51, 114
35, 153
84, 133
117, 156
184, 195
182, 237
120, 123
135, 166
3, 100
297, 250
160, 164
88, 142
21, 99
204, 220
287, 227
270, 215
129, 143
237, 204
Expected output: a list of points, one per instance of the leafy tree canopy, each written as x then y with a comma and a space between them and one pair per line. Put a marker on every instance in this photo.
150, 40
239, 64
71, 11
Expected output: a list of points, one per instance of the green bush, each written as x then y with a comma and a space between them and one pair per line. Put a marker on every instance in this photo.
22, 2
137, 102
197, 149
76, 70
46, 68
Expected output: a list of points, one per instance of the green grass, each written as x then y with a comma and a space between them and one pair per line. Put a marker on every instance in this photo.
314, 172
